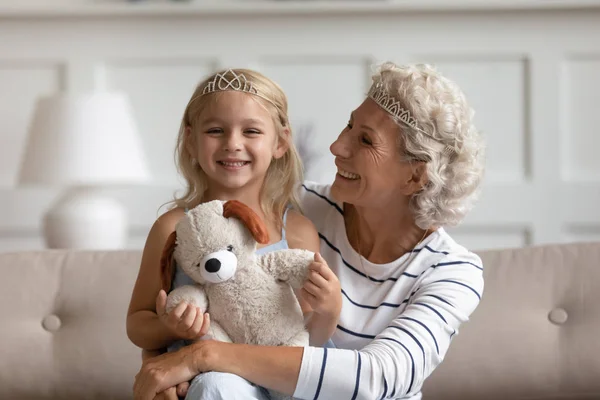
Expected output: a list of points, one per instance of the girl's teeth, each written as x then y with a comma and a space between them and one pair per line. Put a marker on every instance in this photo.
348, 175
233, 164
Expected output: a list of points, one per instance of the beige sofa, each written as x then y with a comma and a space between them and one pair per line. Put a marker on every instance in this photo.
535, 335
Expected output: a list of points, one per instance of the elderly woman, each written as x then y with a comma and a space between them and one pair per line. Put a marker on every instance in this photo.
409, 163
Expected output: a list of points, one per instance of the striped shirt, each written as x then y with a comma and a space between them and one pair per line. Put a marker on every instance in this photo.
397, 319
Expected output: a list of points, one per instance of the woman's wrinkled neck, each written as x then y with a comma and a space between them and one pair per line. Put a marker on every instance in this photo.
382, 235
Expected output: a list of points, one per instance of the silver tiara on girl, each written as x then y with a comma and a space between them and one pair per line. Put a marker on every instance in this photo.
392, 106
232, 81
237, 83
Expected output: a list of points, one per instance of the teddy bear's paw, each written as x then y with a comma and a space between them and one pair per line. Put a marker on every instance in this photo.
171, 304
300, 340
216, 332
189, 294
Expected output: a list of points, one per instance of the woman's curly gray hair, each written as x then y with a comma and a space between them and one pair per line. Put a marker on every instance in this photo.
449, 143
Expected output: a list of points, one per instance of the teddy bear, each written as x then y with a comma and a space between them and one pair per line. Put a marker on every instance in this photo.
250, 297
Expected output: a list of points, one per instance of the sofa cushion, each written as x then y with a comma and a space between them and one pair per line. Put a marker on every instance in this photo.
533, 336
63, 325
518, 343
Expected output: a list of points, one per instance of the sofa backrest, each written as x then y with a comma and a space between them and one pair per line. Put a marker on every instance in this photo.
536, 332
534, 335
63, 330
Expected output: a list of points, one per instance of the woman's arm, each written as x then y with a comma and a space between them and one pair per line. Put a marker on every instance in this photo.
323, 293
144, 328
301, 234
238, 359
277, 367
402, 356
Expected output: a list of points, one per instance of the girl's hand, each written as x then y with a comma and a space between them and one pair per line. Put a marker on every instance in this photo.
322, 289
184, 321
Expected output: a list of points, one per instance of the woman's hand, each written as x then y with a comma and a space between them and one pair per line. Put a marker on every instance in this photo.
173, 393
184, 321
170, 369
322, 290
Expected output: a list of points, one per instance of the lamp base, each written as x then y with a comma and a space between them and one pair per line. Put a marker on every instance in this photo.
84, 218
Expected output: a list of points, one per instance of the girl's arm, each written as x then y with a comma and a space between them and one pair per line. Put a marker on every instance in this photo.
147, 354
144, 328
301, 234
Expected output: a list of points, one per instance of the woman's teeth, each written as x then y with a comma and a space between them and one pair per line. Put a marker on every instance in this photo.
348, 175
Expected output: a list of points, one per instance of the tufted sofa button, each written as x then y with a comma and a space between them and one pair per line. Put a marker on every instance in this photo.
51, 323
558, 316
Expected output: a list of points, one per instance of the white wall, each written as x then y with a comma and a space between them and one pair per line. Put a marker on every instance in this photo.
531, 71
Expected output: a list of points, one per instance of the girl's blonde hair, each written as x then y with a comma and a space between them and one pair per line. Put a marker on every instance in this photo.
279, 188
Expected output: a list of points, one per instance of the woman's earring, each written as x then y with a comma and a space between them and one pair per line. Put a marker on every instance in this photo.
193, 160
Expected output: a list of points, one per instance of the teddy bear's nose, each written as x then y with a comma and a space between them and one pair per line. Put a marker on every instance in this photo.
213, 265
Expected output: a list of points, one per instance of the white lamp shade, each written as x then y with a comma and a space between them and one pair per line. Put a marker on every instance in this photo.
83, 139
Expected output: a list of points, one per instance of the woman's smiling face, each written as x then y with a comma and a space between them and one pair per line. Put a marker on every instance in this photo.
368, 155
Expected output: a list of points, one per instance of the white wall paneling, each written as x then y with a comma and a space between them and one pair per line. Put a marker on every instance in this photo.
580, 138
157, 84
340, 84
529, 68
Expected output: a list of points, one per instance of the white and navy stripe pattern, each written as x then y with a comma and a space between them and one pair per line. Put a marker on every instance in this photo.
397, 319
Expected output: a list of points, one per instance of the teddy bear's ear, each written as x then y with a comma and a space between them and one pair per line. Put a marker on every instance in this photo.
167, 263
251, 220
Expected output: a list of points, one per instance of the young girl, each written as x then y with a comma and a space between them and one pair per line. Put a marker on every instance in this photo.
234, 143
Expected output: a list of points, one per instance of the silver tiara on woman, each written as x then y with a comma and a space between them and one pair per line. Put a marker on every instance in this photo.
392, 106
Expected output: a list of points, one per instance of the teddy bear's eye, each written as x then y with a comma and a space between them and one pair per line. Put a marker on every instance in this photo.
230, 248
